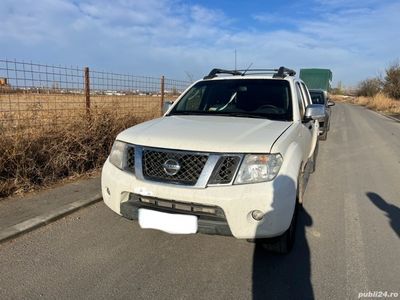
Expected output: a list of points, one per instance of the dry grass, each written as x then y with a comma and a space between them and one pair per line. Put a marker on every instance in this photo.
380, 102
42, 157
21, 111
364, 101
46, 138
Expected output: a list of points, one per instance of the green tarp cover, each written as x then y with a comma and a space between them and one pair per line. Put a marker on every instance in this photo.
316, 78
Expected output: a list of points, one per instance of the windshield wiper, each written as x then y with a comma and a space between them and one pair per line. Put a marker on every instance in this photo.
240, 114
259, 116
220, 113
188, 112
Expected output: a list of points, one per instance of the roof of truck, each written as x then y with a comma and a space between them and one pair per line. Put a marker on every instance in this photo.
280, 73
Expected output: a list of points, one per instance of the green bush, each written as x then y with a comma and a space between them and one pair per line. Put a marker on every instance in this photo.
369, 87
391, 85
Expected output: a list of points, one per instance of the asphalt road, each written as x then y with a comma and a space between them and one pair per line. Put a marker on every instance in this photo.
348, 239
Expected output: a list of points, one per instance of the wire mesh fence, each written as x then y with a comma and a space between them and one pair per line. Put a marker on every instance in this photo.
37, 96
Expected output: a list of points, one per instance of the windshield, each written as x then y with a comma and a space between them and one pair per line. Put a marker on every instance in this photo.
252, 98
317, 97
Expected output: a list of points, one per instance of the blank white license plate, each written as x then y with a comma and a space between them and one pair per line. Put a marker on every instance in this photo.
170, 223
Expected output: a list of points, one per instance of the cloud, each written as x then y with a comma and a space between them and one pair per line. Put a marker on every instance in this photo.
154, 37
267, 17
27, 23
203, 15
369, 34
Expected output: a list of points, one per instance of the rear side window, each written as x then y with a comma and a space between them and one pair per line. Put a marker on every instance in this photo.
306, 94
300, 100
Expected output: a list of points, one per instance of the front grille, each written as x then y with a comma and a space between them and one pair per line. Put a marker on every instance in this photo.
191, 165
225, 170
130, 159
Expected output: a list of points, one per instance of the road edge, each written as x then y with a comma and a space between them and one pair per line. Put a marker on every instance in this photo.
42, 220
387, 116
375, 111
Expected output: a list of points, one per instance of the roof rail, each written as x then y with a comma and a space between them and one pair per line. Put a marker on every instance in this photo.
214, 73
282, 72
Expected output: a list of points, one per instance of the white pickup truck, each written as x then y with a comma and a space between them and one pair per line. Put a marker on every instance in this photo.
230, 157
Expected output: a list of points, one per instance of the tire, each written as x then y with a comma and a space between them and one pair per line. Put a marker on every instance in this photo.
314, 158
300, 189
324, 136
282, 244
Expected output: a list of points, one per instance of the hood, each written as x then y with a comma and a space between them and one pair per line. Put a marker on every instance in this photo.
207, 133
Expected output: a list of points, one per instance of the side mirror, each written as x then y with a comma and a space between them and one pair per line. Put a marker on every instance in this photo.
331, 103
167, 105
315, 112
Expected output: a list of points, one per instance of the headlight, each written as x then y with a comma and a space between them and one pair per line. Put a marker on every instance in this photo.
117, 154
258, 168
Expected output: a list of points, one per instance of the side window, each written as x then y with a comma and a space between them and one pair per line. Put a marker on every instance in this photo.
306, 94
300, 99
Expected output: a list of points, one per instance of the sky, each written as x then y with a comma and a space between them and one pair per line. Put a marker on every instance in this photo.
186, 39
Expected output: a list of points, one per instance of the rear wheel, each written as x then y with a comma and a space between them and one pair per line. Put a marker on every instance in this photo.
314, 158
300, 189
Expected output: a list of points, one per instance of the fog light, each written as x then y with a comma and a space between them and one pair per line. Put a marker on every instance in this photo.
257, 215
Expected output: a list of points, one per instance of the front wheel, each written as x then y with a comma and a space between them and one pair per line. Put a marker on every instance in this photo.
282, 244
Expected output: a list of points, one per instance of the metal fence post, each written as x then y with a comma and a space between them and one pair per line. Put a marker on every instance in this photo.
162, 94
87, 90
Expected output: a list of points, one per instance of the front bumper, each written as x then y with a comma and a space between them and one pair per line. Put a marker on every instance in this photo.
276, 199
211, 219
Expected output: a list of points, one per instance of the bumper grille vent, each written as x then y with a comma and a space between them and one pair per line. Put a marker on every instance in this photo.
130, 159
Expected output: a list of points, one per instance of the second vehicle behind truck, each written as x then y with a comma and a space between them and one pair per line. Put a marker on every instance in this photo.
321, 97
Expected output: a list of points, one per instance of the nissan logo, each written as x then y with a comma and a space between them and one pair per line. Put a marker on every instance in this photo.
171, 167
